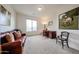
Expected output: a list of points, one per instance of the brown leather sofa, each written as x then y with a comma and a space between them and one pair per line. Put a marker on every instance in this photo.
14, 47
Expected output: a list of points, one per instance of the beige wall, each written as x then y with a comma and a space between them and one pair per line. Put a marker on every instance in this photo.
21, 23
13, 16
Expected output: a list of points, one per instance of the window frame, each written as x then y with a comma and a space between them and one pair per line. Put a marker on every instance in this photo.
32, 28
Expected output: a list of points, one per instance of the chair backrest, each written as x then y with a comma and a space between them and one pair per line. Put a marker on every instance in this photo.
65, 35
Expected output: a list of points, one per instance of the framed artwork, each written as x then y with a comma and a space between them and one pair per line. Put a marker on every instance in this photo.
50, 23
69, 20
5, 16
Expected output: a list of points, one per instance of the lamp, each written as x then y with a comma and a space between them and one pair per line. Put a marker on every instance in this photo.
45, 26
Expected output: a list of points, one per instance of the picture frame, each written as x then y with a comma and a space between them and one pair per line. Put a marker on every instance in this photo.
50, 23
69, 20
5, 16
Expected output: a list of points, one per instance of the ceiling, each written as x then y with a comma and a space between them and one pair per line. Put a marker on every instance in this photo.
48, 10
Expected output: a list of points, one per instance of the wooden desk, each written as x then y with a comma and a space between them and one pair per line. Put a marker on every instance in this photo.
50, 34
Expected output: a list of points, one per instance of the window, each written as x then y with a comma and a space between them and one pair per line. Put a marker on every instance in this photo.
31, 25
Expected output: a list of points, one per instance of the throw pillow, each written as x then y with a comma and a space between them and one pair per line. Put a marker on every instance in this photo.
9, 37
12, 37
17, 34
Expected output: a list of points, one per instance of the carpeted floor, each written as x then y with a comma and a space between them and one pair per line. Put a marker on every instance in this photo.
42, 45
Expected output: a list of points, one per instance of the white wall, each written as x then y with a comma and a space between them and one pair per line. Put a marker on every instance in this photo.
21, 23
12, 25
74, 34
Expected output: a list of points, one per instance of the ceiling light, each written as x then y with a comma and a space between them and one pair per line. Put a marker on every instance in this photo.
39, 9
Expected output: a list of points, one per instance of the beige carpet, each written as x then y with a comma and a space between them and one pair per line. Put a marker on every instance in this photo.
42, 45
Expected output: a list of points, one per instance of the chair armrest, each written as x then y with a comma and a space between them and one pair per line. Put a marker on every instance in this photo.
59, 36
12, 47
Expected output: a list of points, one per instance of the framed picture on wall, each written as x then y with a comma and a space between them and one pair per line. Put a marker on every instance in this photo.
5, 16
69, 20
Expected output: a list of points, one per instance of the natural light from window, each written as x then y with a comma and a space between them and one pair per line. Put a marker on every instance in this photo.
31, 25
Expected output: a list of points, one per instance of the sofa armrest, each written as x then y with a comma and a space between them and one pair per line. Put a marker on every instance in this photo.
23, 38
12, 47
23, 34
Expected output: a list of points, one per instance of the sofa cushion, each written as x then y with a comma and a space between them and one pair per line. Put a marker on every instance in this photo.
17, 34
9, 37
12, 37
